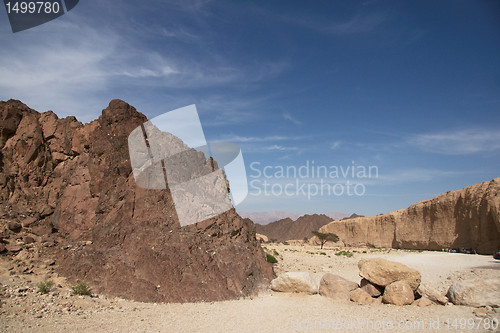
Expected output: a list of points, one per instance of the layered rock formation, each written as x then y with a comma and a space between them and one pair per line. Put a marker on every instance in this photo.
288, 229
468, 218
72, 184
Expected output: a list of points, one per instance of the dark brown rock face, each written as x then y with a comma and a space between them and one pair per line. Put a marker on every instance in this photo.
74, 183
287, 229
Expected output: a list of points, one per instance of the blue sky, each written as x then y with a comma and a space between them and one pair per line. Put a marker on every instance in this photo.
411, 87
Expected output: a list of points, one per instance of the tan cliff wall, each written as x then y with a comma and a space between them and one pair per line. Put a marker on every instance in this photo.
468, 218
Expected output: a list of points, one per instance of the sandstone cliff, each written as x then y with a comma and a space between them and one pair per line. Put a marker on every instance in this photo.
70, 185
468, 218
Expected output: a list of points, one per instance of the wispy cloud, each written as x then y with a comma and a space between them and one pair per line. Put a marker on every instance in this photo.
335, 144
288, 116
237, 138
416, 175
279, 148
72, 67
357, 25
459, 142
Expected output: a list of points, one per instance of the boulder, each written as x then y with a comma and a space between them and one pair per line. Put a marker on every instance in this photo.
432, 294
384, 272
398, 293
336, 287
475, 292
295, 282
370, 288
14, 226
28, 240
422, 302
360, 296
28, 221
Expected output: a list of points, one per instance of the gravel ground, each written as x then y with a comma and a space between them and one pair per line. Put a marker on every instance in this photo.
25, 310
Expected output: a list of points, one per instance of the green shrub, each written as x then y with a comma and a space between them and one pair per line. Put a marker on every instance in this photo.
271, 259
286, 243
322, 253
344, 253
276, 253
44, 287
81, 288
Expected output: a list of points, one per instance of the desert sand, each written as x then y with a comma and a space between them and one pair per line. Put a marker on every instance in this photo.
24, 309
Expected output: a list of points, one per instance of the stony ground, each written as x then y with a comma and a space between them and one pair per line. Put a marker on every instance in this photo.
24, 309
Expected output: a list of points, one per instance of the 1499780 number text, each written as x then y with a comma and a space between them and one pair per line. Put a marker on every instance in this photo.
32, 7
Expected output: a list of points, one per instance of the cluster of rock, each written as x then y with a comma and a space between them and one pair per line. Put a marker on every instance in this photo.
64, 184
389, 282
467, 218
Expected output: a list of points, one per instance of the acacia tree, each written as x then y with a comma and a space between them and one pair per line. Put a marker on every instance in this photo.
325, 237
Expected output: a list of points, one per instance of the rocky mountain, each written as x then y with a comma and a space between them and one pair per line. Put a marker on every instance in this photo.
352, 216
287, 229
268, 217
67, 192
468, 218
264, 218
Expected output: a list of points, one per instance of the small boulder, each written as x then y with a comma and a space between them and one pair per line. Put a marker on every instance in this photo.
13, 248
336, 287
475, 292
360, 296
422, 302
295, 282
370, 288
28, 221
384, 272
432, 294
398, 293
480, 312
14, 226
28, 240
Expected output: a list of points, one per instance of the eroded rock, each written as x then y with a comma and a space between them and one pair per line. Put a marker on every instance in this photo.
398, 293
384, 272
295, 282
336, 287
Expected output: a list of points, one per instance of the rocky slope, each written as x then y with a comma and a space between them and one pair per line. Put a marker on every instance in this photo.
287, 229
69, 186
468, 218
264, 218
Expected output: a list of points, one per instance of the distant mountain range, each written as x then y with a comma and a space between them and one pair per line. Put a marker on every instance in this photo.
264, 218
287, 229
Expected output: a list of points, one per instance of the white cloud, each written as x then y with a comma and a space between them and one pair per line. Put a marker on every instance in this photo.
335, 144
416, 175
280, 148
237, 138
289, 117
75, 66
459, 142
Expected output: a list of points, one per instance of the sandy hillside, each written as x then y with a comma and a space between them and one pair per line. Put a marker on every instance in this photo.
25, 310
